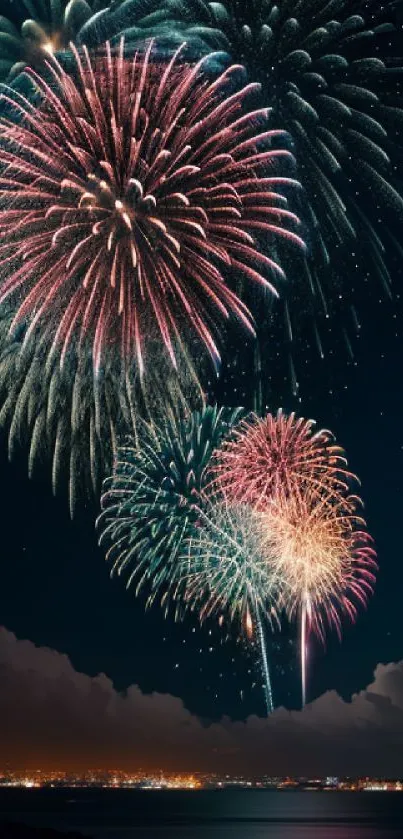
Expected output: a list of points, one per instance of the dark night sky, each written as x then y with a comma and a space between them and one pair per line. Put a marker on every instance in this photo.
55, 588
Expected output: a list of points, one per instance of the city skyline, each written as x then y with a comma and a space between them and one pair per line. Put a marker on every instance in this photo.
160, 780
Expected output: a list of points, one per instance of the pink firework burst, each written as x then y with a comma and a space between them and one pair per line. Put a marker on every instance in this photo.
132, 193
279, 454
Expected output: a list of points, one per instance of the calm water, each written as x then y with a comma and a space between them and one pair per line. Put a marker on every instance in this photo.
250, 814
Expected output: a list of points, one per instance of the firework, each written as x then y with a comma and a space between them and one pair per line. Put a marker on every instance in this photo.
317, 546
129, 195
47, 28
323, 557
332, 72
225, 569
156, 494
278, 453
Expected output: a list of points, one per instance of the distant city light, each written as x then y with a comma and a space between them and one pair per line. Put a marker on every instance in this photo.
159, 780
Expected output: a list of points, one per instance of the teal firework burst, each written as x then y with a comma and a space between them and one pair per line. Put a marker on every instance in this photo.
40, 28
155, 498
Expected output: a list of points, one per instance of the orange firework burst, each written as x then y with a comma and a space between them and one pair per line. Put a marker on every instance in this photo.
279, 453
324, 555
323, 559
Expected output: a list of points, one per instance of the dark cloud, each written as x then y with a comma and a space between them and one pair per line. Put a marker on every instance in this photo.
52, 715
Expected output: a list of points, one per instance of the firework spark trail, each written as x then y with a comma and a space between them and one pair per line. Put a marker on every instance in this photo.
278, 453
303, 650
129, 196
265, 664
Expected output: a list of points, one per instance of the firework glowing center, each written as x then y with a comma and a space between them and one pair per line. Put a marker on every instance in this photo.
135, 191
314, 554
112, 218
47, 27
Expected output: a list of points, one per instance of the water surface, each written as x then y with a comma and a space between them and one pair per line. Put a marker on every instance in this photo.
239, 814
